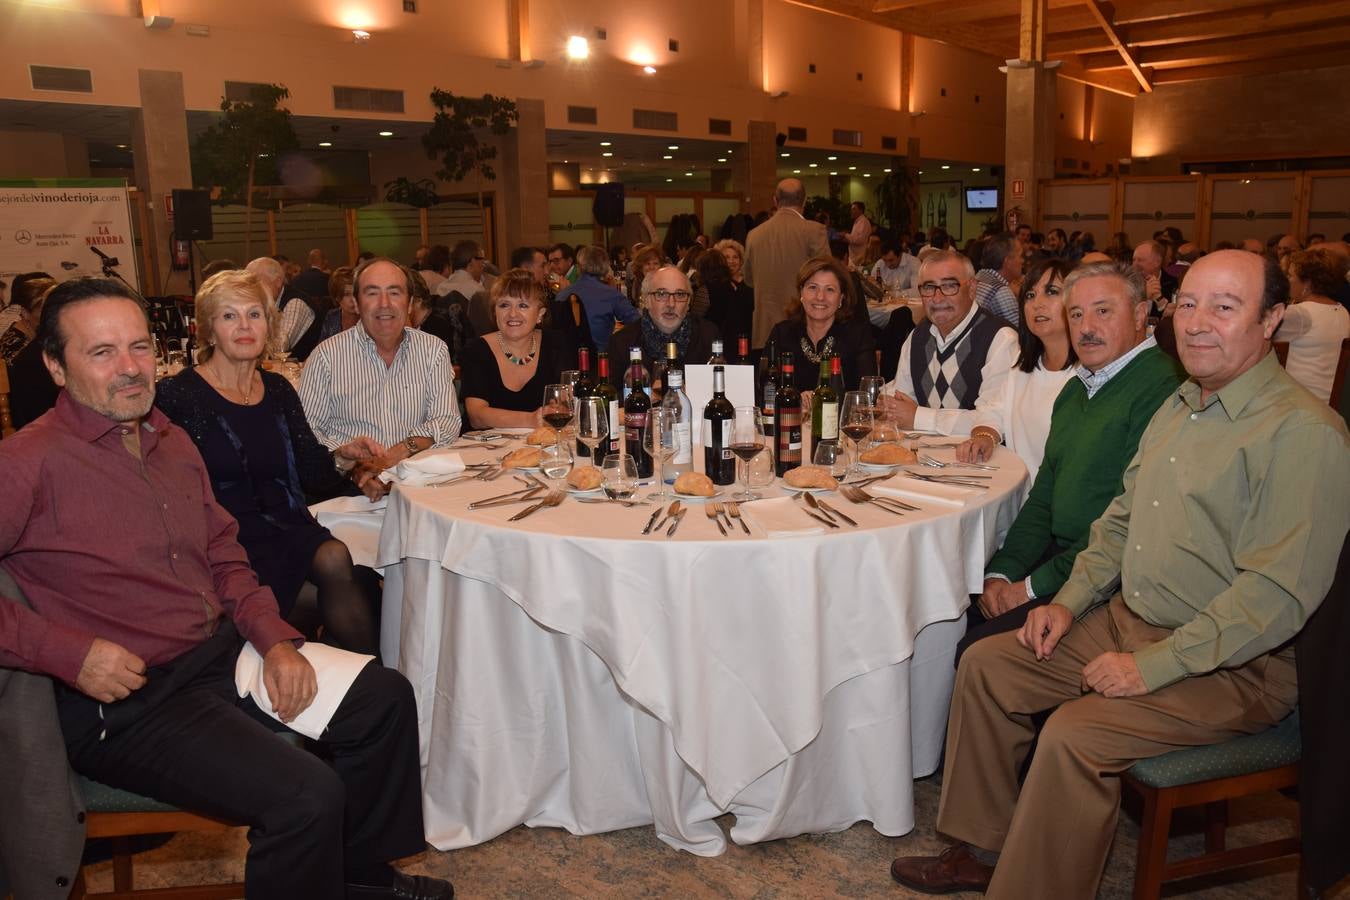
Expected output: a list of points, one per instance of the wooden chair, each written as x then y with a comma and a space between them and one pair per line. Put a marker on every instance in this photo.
1210, 776
6, 421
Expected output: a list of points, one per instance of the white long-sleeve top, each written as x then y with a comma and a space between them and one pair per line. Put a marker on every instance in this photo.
1022, 417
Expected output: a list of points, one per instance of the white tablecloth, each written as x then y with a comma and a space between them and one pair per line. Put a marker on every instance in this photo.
571, 672
880, 313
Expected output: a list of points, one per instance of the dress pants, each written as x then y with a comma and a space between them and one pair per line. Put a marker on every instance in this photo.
1054, 837
204, 749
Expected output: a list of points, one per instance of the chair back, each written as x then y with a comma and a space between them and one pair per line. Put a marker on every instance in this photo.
7, 420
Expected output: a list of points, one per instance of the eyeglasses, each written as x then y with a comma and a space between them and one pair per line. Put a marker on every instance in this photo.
661, 295
948, 286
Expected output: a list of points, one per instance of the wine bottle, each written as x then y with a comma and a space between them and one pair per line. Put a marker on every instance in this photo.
677, 405
824, 408
604, 388
787, 419
585, 387
635, 379
743, 349
837, 375
768, 390
635, 408
717, 358
719, 463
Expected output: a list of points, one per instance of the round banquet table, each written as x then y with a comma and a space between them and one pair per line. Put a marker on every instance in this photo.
571, 672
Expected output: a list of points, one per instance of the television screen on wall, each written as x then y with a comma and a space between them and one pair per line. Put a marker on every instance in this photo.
981, 198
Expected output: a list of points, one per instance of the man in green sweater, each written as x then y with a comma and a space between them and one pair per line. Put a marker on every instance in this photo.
1094, 430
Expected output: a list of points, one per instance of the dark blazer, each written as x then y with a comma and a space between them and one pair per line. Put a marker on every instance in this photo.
702, 334
41, 806
312, 283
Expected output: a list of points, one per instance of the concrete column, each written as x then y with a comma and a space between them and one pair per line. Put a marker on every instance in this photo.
160, 139
755, 170
1029, 155
524, 182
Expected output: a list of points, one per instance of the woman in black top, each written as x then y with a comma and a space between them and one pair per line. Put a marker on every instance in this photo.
738, 319
821, 321
503, 374
263, 458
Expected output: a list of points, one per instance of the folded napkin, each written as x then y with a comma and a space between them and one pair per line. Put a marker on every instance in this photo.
335, 670
902, 486
357, 504
356, 522
431, 467
780, 517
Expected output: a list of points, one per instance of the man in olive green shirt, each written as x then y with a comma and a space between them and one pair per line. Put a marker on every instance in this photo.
1172, 629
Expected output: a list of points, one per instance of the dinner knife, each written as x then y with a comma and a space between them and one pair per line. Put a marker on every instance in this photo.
670, 511
679, 517
830, 509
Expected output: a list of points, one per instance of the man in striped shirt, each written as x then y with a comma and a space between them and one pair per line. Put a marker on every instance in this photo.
383, 379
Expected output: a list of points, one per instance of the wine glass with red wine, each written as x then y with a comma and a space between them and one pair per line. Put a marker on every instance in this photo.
557, 408
747, 442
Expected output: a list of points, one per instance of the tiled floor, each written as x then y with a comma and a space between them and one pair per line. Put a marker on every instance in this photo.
546, 862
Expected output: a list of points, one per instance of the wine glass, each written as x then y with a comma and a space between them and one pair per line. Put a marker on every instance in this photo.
570, 377
659, 441
592, 414
831, 456
856, 415
619, 476
557, 408
555, 463
747, 442
872, 386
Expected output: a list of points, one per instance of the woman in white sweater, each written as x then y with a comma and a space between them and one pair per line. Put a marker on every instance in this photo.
1045, 362
1314, 324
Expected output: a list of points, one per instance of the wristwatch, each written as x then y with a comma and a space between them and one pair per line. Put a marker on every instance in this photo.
410, 442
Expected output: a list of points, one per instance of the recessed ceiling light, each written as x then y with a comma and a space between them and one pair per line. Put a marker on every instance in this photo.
360, 35
386, 134
688, 174
796, 171
974, 170
834, 173
673, 147
946, 167
728, 153
784, 155
921, 171
886, 170
578, 47
121, 146
811, 165
721, 159
667, 156
606, 153
852, 168
650, 70
668, 180
605, 143
325, 143
831, 158
867, 174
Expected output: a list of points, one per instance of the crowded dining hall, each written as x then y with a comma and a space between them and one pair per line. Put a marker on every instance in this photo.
755, 448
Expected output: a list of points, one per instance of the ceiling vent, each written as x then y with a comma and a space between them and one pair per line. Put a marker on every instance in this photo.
796, 133
655, 120
846, 138
719, 126
582, 115
367, 99
60, 78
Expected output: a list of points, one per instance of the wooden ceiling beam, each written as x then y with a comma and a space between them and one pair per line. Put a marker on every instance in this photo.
1105, 15
1131, 11
1208, 26
1115, 82
924, 24
1317, 58
1204, 53
885, 6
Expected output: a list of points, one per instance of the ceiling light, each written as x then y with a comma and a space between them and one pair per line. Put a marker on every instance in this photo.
852, 168
386, 134
721, 159
728, 153
121, 146
605, 143
688, 174
325, 143
831, 158
650, 70
886, 170
921, 171
811, 165
945, 168
578, 47
673, 147
360, 35
606, 153
834, 173
784, 155
668, 180
667, 156
796, 171
975, 170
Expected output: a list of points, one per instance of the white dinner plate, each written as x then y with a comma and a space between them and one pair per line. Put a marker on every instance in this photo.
580, 493
805, 490
686, 498
878, 467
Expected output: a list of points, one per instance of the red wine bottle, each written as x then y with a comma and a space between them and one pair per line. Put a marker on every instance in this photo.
787, 419
718, 462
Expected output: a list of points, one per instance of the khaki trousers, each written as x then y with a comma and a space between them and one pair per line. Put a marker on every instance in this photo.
1054, 837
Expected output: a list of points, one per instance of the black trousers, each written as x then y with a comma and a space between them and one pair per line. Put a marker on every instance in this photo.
198, 746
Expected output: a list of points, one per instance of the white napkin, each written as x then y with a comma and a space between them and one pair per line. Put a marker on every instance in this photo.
357, 504
356, 522
901, 485
431, 467
780, 517
335, 670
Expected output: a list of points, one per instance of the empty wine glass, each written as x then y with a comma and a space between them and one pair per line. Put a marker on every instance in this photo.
555, 462
855, 421
659, 441
747, 442
570, 377
592, 414
872, 386
832, 457
619, 476
557, 408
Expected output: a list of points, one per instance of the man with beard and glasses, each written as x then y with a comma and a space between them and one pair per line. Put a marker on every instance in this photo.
141, 598
1094, 430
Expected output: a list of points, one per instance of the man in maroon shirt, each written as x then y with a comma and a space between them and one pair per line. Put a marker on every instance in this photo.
140, 594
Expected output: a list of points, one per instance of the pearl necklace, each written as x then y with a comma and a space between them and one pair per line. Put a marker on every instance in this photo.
519, 360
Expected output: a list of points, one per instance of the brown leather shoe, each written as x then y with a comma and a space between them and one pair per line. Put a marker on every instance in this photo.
953, 871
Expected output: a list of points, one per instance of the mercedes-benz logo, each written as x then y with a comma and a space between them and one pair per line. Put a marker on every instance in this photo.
23, 236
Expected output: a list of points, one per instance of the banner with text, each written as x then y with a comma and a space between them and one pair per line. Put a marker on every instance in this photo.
56, 225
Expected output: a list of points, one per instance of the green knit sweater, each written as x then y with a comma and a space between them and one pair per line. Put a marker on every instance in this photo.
1089, 445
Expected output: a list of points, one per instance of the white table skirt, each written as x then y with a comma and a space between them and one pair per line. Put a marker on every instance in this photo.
570, 672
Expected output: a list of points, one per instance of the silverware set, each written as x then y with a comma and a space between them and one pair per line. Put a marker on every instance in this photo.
934, 463
855, 494
553, 498
660, 517
973, 481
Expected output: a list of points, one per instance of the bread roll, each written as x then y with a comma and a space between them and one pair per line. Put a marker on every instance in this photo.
541, 437
694, 484
810, 477
584, 478
888, 455
524, 458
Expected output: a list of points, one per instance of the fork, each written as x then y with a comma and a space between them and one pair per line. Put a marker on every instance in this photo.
958, 480
734, 510
935, 463
712, 514
553, 499
858, 495
721, 511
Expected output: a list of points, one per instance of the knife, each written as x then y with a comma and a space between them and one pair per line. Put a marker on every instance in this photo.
679, 517
670, 511
507, 499
829, 509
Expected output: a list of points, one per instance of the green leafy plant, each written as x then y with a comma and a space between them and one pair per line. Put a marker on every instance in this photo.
420, 193
242, 150
454, 135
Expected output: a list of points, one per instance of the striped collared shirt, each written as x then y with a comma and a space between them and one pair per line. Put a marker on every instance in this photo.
1095, 381
348, 391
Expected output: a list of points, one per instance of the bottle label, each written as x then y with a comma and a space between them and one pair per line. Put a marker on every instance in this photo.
790, 436
684, 448
717, 436
612, 441
829, 422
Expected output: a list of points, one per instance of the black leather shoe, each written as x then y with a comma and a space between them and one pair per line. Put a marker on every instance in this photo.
404, 887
